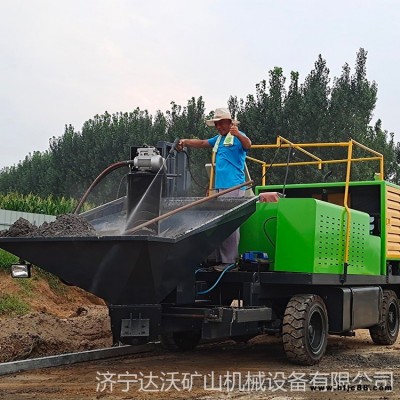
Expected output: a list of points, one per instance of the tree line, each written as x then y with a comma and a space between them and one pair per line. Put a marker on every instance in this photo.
312, 111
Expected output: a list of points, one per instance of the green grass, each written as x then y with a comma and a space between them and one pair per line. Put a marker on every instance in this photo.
6, 259
54, 282
26, 286
12, 305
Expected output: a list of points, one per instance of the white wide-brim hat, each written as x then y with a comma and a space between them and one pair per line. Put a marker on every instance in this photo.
220, 114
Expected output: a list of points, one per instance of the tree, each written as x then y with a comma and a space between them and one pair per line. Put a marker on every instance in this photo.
311, 111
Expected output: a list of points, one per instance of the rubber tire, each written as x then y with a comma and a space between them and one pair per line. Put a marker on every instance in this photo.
305, 329
387, 331
181, 341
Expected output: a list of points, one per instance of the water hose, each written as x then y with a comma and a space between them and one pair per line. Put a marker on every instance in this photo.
109, 169
227, 268
113, 167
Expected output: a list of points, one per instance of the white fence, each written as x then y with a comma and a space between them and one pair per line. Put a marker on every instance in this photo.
7, 218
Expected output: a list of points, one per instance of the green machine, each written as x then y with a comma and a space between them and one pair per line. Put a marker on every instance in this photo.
333, 252
316, 259
308, 235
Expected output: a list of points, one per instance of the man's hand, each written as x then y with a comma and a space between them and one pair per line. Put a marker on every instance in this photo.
244, 140
180, 145
234, 131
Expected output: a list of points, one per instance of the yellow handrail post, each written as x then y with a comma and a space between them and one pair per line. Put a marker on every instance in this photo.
264, 169
210, 185
347, 210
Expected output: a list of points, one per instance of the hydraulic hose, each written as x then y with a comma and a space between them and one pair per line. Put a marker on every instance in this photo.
103, 174
111, 168
227, 268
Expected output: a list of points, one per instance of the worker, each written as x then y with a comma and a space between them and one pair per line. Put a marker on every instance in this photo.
230, 147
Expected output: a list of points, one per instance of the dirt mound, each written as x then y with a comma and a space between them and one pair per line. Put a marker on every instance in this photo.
64, 225
21, 227
61, 319
40, 334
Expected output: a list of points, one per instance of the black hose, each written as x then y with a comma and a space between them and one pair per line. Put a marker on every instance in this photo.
109, 169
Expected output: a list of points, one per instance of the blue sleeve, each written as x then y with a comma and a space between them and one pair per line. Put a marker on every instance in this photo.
212, 140
246, 150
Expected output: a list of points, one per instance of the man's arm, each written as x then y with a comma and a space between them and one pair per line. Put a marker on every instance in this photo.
196, 143
244, 140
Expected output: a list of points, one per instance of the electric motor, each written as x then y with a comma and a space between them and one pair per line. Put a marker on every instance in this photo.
148, 159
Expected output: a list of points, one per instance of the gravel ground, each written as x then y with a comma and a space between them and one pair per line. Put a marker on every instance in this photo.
39, 334
226, 370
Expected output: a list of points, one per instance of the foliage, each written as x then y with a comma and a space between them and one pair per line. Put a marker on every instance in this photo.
6, 259
317, 112
12, 305
33, 203
313, 111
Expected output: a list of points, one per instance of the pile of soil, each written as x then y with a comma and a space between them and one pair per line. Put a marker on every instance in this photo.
62, 319
41, 334
64, 225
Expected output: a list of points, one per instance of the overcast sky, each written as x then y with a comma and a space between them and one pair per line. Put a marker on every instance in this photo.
64, 61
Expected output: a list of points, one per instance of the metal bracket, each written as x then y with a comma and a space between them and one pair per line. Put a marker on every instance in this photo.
135, 327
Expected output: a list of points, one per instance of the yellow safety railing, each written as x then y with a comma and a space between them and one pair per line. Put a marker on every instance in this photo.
211, 181
284, 143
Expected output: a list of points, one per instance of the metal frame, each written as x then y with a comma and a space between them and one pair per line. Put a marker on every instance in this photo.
285, 143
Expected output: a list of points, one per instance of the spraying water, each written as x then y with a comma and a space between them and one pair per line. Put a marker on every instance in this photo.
141, 211
149, 204
146, 211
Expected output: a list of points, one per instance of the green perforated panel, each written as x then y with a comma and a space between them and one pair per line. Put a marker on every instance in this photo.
311, 238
